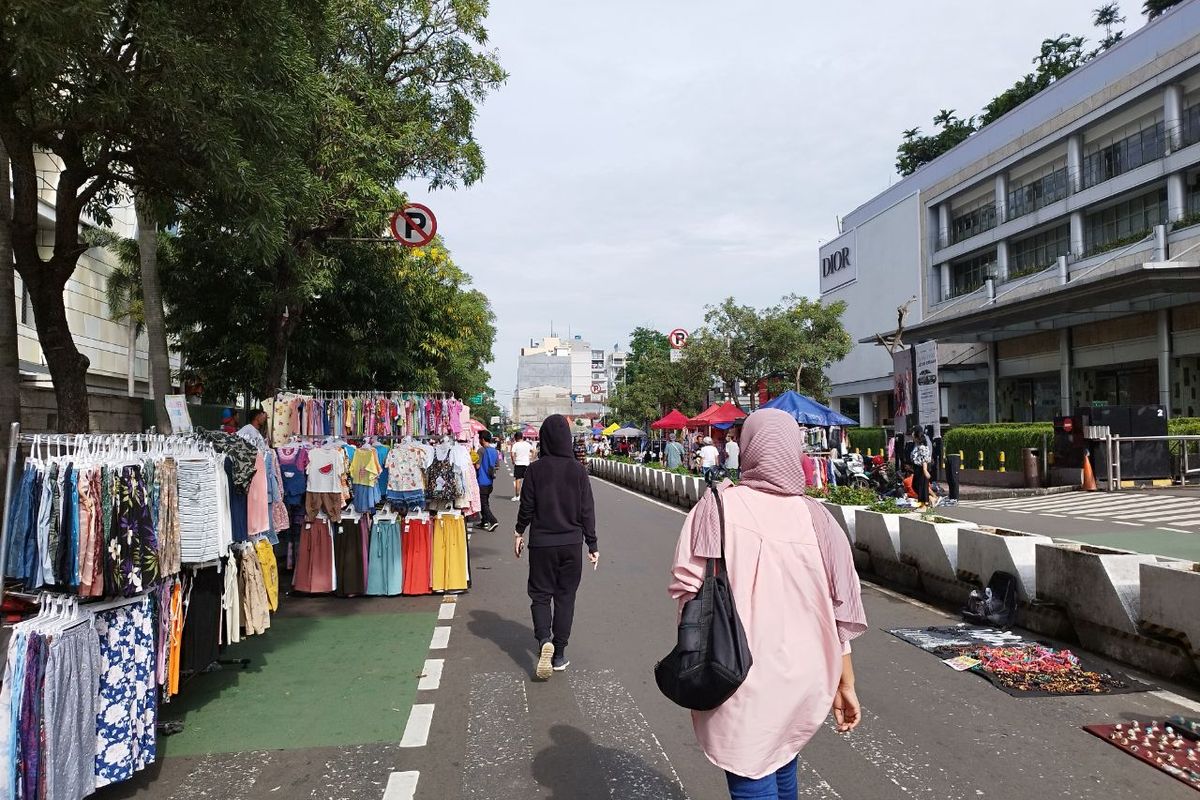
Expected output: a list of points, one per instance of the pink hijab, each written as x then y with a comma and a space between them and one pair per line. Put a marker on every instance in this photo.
772, 462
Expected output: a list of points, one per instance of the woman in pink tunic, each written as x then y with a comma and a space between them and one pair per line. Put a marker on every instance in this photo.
797, 594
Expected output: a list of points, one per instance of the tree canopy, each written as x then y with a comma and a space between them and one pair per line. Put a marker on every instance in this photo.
1057, 57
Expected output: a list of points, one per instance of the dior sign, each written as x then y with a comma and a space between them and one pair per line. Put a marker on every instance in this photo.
839, 264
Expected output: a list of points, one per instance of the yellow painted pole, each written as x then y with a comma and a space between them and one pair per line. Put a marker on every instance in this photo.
981, 461
1002, 461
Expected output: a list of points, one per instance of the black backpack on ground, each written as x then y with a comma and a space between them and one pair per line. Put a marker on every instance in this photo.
711, 657
996, 604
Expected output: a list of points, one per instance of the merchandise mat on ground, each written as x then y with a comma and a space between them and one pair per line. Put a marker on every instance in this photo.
1017, 666
1158, 743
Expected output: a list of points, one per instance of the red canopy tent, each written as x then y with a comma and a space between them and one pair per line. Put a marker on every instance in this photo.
717, 414
701, 419
675, 421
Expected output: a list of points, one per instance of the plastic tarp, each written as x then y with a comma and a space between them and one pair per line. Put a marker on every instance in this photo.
807, 411
611, 429
675, 421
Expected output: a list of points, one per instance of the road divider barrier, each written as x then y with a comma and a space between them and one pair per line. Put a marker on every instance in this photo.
1140, 609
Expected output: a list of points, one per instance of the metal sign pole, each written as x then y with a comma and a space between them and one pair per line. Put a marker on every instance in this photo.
14, 441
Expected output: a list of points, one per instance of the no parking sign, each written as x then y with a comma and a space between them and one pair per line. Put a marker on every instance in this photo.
414, 225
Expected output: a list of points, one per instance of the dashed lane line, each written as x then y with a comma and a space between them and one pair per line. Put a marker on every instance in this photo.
431, 675
441, 638
416, 732
446, 611
401, 786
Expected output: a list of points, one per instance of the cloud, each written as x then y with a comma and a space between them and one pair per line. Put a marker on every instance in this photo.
647, 159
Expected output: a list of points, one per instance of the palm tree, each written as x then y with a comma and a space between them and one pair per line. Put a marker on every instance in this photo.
1156, 8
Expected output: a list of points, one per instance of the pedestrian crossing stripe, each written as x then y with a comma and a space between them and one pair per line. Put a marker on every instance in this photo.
1126, 509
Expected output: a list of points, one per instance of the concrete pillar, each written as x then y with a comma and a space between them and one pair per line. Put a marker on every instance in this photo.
1077, 234
943, 211
1002, 261
1176, 197
1173, 117
1064, 371
1160, 243
866, 410
1064, 272
1001, 198
992, 377
1164, 360
944, 280
1075, 161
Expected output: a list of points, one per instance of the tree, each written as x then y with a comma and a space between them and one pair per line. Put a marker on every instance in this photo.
916, 150
10, 370
1057, 58
1156, 8
801, 338
109, 90
643, 343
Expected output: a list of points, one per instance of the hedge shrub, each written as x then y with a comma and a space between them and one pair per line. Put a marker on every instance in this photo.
1008, 438
863, 439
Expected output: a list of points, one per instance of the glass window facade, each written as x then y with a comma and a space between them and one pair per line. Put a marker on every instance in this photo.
1124, 223
1131, 152
1037, 192
1035, 253
1191, 125
969, 274
973, 221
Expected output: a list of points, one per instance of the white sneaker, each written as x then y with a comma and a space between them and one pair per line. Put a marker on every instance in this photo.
545, 656
517, 499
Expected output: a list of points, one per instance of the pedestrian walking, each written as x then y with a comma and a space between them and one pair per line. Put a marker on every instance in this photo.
922, 454
489, 460
792, 577
709, 456
674, 453
558, 511
521, 453
732, 456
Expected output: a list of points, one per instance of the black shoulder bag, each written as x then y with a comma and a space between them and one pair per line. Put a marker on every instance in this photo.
711, 657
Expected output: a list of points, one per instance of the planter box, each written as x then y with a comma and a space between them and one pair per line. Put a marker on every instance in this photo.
691, 490
931, 547
845, 515
1097, 585
878, 534
982, 551
1170, 602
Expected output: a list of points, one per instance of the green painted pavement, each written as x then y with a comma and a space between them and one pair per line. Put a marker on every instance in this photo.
1158, 542
312, 682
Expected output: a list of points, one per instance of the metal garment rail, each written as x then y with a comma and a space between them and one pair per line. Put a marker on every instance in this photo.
14, 441
1112, 444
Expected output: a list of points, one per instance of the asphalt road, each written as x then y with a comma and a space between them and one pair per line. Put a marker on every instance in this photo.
486, 731
602, 730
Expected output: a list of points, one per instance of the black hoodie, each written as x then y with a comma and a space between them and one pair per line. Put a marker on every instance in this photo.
556, 497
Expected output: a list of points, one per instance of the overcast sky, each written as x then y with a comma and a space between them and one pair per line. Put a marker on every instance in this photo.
648, 158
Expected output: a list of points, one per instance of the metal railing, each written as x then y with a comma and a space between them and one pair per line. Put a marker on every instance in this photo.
1112, 445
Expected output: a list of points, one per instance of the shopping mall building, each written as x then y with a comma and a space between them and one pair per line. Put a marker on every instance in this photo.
1054, 256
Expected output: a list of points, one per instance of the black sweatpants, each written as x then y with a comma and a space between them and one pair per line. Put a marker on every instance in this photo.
554, 575
485, 505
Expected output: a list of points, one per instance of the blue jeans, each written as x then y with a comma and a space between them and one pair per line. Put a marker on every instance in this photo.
780, 785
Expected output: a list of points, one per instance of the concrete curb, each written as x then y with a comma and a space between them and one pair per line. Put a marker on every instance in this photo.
1136, 608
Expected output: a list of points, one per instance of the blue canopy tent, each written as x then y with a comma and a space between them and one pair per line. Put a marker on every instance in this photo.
807, 411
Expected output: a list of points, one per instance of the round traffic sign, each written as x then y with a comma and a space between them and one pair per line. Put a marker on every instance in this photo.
414, 225
678, 338
1068, 424
597, 388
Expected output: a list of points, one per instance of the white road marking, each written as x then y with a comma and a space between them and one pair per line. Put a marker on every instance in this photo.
906, 765
441, 638
446, 610
401, 786
416, 732
809, 783
431, 675
499, 760
643, 497
1178, 700
906, 599
634, 761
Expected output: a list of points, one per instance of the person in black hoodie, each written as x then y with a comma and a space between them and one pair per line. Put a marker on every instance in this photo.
558, 511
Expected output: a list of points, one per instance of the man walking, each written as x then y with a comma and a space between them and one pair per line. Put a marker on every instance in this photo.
489, 459
521, 453
674, 453
557, 509
733, 454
